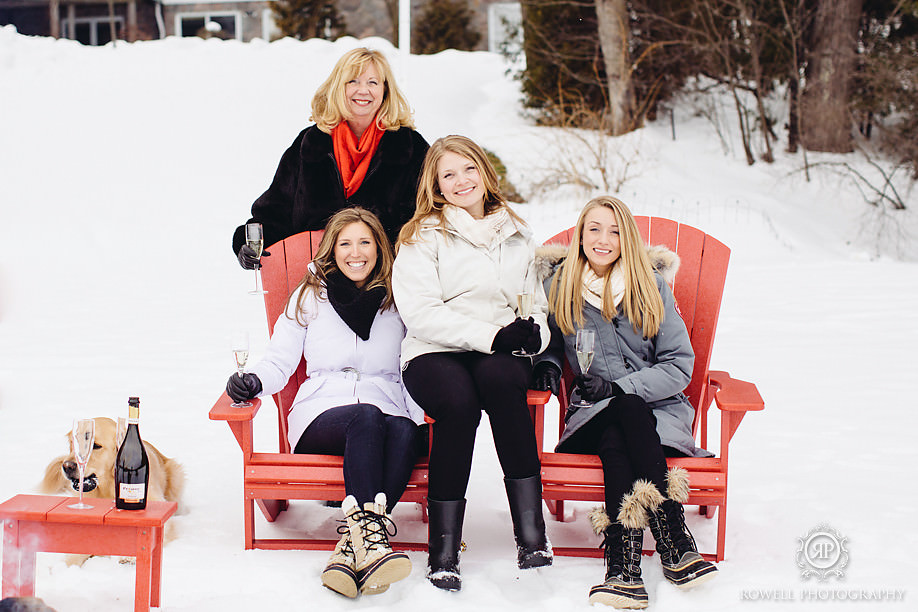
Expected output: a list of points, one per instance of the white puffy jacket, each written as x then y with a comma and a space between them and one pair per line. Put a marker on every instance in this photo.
456, 286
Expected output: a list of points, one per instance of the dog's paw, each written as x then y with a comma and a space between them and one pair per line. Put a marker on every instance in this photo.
127, 560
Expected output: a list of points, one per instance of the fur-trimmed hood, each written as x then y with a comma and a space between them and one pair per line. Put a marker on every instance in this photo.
548, 257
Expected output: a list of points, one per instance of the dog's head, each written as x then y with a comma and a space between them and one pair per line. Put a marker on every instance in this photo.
62, 476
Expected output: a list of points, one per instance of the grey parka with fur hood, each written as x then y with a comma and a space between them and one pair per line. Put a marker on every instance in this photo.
657, 369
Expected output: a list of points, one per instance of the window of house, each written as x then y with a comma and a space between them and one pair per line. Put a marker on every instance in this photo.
92, 30
225, 25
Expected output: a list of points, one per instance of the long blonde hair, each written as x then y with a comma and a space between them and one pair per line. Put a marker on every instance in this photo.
430, 200
324, 261
329, 103
641, 304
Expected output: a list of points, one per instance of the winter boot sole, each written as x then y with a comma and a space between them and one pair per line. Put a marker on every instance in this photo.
621, 596
691, 571
446, 580
389, 568
538, 558
341, 579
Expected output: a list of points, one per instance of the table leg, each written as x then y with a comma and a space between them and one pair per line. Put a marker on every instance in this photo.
156, 586
10, 558
143, 569
18, 563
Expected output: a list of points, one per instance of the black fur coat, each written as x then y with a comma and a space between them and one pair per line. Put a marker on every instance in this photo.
307, 187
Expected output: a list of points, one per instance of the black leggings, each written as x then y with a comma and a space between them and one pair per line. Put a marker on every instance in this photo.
453, 388
624, 435
378, 449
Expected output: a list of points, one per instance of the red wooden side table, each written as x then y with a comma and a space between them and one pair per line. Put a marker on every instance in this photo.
44, 523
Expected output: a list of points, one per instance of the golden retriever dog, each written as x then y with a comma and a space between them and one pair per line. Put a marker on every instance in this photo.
62, 476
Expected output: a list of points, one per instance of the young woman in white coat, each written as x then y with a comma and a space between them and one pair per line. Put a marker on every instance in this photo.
462, 260
609, 282
342, 319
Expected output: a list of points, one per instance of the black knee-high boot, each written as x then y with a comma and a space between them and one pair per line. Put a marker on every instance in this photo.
444, 539
532, 546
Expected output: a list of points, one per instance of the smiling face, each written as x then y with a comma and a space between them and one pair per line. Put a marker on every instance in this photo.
364, 95
355, 252
460, 183
600, 240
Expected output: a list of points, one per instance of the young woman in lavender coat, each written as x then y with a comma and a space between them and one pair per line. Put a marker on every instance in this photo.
342, 320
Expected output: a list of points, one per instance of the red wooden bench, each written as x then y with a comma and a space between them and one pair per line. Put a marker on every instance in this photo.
44, 523
698, 288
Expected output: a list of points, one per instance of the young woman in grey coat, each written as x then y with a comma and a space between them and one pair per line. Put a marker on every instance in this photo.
606, 282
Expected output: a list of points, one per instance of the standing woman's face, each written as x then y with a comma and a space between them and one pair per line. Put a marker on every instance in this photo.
364, 94
600, 240
356, 252
460, 183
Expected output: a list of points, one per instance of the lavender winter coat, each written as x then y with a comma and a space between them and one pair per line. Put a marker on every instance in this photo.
329, 347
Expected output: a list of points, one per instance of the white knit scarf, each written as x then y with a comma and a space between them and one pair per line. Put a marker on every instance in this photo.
480, 232
592, 285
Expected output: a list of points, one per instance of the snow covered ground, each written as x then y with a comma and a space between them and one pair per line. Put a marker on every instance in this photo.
123, 172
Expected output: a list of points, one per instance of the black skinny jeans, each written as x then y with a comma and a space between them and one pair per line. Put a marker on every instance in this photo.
624, 435
378, 449
454, 388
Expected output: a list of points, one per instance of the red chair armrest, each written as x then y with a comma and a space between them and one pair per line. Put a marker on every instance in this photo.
733, 394
223, 411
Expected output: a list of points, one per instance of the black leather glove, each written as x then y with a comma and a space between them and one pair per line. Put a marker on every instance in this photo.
546, 376
247, 257
594, 388
244, 387
515, 336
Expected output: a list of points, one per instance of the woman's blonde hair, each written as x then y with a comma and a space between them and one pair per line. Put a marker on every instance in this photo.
329, 105
324, 261
430, 201
641, 304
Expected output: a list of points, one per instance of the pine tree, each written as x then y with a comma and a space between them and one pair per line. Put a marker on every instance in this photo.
303, 19
444, 25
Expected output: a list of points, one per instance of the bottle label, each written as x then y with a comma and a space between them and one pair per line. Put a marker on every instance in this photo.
132, 493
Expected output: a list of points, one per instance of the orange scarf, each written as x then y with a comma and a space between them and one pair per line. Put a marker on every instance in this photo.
353, 157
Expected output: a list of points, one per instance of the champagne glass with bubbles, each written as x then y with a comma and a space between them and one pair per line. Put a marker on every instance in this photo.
82, 436
240, 345
255, 240
584, 348
524, 308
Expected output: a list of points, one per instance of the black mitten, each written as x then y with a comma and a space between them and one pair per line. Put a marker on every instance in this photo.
247, 258
513, 336
244, 387
546, 376
594, 388
534, 342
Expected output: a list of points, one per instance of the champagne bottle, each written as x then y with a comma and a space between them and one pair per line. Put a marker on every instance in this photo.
132, 467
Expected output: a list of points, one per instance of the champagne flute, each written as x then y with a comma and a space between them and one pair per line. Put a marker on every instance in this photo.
255, 240
82, 436
524, 308
240, 346
584, 348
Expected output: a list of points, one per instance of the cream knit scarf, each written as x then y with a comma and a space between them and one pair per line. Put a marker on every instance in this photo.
592, 285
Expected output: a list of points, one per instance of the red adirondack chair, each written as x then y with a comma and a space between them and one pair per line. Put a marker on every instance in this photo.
271, 479
698, 288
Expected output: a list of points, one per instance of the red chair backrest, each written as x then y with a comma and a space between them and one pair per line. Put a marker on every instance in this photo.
698, 288
281, 272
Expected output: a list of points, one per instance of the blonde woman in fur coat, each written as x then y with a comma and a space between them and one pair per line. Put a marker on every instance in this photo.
608, 281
